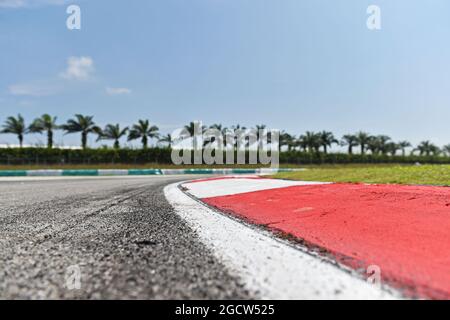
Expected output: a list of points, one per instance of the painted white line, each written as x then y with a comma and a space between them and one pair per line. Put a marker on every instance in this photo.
225, 187
268, 267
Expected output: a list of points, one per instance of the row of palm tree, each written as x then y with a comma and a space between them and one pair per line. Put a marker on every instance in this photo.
84, 125
312, 142
380, 144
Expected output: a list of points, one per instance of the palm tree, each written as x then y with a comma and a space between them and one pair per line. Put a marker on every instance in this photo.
166, 139
383, 143
143, 130
301, 143
351, 141
435, 150
189, 131
190, 128
287, 140
217, 126
392, 148
311, 140
373, 145
427, 148
15, 126
446, 149
292, 142
112, 132
45, 123
223, 131
363, 139
260, 127
403, 145
327, 139
238, 127
83, 124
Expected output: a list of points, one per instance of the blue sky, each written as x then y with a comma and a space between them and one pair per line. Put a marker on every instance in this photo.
292, 64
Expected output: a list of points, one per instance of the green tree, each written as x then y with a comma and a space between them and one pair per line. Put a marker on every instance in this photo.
311, 141
238, 127
427, 148
351, 141
435, 150
190, 128
327, 139
143, 130
403, 145
15, 126
45, 123
189, 132
166, 139
220, 128
81, 124
392, 148
446, 149
287, 140
363, 139
301, 143
373, 145
112, 132
383, 143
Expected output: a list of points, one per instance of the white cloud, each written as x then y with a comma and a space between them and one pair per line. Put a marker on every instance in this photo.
32, 90
14, 4
79, 68
117, 91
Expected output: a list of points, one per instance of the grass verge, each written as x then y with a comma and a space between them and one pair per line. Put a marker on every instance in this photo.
394, 174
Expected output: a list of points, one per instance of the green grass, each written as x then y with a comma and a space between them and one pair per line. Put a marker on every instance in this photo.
393, 174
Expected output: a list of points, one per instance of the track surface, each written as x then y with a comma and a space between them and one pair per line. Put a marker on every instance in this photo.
122, 233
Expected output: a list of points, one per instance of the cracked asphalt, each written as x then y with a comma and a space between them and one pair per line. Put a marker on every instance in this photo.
121, 233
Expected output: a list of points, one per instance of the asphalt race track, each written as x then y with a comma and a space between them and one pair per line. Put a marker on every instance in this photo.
121, 233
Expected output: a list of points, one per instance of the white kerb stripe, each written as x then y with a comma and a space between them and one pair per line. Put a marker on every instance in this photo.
225, 187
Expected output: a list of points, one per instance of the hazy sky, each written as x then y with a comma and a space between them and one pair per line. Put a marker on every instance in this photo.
292, 64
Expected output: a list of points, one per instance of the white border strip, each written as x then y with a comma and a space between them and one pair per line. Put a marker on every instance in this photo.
269, 268
227, 186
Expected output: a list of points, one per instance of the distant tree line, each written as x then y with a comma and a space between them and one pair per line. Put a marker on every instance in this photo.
84, 125
309, 144
315, 142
